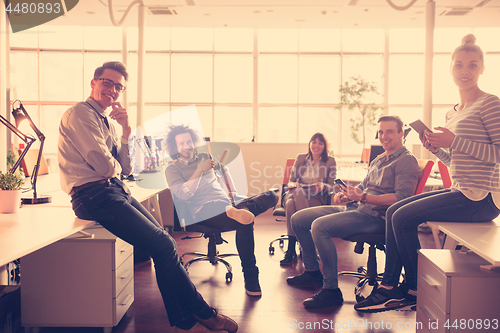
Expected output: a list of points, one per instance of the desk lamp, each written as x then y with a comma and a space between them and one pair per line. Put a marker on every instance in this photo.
20, 114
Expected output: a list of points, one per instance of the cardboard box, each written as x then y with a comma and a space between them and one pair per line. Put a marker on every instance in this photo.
10, 309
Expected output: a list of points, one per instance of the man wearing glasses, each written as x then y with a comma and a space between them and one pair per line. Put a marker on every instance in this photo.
91, 157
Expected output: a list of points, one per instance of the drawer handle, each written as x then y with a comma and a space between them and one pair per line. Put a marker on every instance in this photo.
430, 281
125, 275
429, 316
125, 302
124, 249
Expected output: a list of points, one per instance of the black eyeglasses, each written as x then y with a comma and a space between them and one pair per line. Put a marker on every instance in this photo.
108, 84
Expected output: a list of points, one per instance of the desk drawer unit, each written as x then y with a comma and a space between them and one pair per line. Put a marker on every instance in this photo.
78, 282
455, 295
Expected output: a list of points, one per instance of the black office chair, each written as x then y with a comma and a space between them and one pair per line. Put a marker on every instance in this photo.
181, 216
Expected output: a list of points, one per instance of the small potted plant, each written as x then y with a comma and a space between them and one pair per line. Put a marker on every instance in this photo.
10, 191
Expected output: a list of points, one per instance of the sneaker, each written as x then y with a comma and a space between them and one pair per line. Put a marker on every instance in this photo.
324, 298
306, 279
242, 216
290, 258
382, 299
252, 285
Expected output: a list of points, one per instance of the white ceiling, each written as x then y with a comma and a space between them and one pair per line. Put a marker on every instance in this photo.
288, 13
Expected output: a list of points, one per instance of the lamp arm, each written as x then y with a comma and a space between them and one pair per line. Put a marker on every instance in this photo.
34, 175
28, 140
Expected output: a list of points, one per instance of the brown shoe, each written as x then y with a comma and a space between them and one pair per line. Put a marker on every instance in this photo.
198, 328
219, 322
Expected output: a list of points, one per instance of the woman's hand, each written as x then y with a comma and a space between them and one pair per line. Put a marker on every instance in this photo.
426, 143
440, 140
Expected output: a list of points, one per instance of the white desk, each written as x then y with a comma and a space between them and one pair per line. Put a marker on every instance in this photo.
482, 238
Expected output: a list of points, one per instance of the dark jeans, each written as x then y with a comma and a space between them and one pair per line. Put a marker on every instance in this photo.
116, 210
404, 217
245, 243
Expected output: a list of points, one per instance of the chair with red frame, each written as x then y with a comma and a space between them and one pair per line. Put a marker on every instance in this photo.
368, 274
279, 212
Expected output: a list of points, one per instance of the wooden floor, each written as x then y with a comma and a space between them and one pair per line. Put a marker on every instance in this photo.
280, 308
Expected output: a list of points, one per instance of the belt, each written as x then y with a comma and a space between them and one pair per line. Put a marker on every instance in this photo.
77, 189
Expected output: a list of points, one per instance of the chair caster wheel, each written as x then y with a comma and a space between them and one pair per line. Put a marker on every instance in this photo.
229, 276
282, 243
271, 249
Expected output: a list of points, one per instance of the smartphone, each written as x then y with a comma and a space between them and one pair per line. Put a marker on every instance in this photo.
340, 182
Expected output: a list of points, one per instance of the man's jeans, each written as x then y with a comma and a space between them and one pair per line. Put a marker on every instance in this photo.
245, 242
116, 210
315, 227
404, 217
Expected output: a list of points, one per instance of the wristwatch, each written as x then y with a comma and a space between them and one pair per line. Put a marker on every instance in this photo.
363, 197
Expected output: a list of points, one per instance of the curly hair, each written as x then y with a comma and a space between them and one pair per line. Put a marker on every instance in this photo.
173, 131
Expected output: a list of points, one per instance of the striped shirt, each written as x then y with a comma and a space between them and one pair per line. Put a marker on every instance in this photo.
474, 155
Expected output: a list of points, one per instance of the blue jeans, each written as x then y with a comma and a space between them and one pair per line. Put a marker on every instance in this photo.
116, 210
315, 227
404, 217
245, 242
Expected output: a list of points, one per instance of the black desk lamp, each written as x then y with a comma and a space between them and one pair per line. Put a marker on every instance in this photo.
20, 114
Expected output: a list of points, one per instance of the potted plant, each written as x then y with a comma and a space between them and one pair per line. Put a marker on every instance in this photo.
10, 191
355, 94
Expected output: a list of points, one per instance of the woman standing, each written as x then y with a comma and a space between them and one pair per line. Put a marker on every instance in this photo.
470, 145
312, 178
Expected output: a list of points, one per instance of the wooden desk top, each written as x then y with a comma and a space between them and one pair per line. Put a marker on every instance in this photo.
483, 237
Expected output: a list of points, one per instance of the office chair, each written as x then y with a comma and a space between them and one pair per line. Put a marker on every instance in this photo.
368, 274
183, 222
280, 211
444, 172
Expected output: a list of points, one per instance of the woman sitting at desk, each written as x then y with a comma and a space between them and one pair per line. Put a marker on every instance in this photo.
471, 138
312, 177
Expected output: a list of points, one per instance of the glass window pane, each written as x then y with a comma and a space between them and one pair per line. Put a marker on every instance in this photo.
269, 117
444, 91
319, 40
25, 39
93, 38
155, 39
156, 88
489, 80
61, 77
233, 124
191, 78
61, 37
319, 77
363, 40
92, 60
447, 39
406, 79
24, 75
369, 67
233, 76
49, 126
278, 78
487, 39
406, 40
192, 39
278, 40
323, 120
240, 40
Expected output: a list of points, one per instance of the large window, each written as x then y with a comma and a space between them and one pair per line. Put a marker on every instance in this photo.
266, 85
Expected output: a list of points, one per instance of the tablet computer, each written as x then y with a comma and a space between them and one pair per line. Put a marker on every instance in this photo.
419, 126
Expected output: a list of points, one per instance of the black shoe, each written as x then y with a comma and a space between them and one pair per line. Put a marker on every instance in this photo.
382, 299
324, 298
306, 279
290, 258
252, 285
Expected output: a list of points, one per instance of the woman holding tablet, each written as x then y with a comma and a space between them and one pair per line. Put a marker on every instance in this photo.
470, 145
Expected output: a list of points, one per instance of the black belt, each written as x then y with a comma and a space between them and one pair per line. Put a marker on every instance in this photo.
77, 189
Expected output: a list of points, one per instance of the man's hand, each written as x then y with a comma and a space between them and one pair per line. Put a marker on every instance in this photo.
120, 114
207, 165
352, 193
